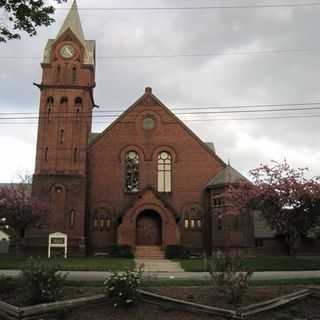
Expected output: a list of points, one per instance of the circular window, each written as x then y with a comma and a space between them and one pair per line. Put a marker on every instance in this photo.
148, 123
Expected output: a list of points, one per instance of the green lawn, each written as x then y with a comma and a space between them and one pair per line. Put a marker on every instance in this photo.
282, 263
73, 264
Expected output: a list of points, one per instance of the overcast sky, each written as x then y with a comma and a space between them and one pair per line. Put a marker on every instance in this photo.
214, 80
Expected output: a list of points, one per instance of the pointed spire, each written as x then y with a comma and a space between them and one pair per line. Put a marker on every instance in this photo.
73, 22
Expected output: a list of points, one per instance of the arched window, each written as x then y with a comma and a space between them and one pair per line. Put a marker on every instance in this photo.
102, 219
78, 103
96, 223
64, 101
164, 171
50, 102
72, 217
193, 218
132, 172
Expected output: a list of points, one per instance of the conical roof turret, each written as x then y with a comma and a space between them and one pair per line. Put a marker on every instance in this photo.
73, 22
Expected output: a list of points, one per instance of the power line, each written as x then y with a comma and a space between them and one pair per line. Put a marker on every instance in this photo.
181, 55
193, 8
77, 115
218, 107
279, 117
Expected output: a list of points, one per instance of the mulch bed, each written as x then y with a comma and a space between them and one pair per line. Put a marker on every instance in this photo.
307, 309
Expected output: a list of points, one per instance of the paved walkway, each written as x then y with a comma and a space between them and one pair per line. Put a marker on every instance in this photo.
100, 276
158, 265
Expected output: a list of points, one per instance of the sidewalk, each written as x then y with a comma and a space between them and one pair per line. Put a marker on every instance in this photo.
100, 276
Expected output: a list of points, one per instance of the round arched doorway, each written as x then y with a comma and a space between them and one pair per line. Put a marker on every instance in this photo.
149, 229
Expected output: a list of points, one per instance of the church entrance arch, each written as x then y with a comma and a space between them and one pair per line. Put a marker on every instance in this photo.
149, 228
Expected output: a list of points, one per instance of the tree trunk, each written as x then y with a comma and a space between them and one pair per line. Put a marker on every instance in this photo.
19, 243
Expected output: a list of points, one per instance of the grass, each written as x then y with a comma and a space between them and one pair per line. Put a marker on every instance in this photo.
281, 263
200, 283
75, 264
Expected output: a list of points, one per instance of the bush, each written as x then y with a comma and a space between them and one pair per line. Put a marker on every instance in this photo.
177, 252
121, 251
43, 281
228, 273
7, 284
121, 287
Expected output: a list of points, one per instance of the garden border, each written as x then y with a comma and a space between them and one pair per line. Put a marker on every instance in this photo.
10, 312
241, 313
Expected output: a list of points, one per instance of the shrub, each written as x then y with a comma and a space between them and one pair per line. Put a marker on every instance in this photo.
228, 273
121, 251
121, 287
43, 281
7, 284
177, 252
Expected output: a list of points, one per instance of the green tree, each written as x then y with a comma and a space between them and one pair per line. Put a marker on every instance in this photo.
24, 15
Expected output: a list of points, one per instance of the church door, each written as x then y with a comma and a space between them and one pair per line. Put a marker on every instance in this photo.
149, 229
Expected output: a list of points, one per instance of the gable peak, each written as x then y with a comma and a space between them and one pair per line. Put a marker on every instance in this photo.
73, 22
148, 90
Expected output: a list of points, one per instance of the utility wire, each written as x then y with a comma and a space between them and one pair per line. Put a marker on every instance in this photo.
299, 104
78, 115
202, 8
181, 55
280, 117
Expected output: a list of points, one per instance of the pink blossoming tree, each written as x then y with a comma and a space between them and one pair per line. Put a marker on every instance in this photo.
19, 211
286, 198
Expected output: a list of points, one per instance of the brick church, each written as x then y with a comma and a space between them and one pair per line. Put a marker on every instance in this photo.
146, 181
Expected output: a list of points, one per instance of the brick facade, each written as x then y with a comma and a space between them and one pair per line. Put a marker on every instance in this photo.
85, 176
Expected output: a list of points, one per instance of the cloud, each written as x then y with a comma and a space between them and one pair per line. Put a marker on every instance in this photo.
194, 81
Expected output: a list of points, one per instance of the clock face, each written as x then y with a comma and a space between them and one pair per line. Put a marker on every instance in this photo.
67, 51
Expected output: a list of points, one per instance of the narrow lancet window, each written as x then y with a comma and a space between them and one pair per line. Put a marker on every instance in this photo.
74, 75
58, 74
132, 172
72, 216
61, 137
46, 151
164, 171
49, 105
75, 155
64, 101
78, 104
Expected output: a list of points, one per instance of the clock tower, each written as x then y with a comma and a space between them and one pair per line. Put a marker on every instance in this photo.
65, 118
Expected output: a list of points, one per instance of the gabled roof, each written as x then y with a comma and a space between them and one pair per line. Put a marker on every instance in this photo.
140, 194
148, 95
228, 175
73, 22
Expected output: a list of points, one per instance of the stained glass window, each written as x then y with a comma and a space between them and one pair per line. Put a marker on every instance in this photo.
132, 172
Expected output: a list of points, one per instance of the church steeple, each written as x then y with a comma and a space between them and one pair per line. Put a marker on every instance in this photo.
67, 100
73, 22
